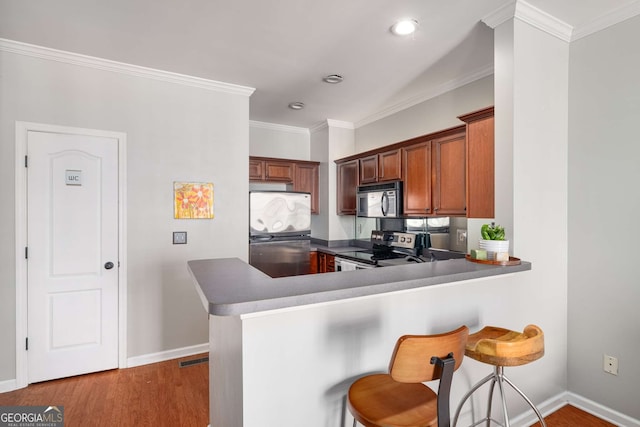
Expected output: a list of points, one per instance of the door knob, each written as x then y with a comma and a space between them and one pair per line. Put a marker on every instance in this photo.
108, 265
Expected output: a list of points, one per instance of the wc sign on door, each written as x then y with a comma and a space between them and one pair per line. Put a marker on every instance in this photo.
73, 177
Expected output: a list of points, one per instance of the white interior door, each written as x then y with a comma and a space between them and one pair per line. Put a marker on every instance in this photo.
72, 263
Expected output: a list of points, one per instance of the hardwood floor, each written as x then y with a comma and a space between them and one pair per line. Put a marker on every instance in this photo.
160, 394
570, 416
163, 394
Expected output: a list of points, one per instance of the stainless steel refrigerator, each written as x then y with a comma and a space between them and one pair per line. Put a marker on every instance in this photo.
279, 232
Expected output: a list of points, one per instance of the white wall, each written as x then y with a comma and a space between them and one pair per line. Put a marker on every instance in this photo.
174, 133
433, 115
272, 140
604, 201
319, 140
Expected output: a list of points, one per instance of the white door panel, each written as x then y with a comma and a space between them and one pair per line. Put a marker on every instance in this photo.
72, 229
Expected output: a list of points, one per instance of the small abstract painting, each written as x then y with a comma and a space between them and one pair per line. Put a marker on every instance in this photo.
193, 200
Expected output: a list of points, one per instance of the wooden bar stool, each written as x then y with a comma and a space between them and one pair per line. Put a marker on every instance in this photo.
502, 347
399, 398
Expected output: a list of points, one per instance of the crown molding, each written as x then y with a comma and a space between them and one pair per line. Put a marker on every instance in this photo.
543, 21
427, 95
607, 20
500, 15
318, 127
533, 16
340, 124
331, 123
277, 127
41, 52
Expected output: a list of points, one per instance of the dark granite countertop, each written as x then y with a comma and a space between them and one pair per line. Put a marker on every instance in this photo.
230, 286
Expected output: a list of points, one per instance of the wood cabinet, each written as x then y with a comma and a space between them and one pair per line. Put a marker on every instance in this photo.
278, 171
302, 174
385, 166
416, 174
256, 170
313, 262
368, 168
347, 184
448, 175
480, 163
434, 175
306, 179
390, 165
326, 263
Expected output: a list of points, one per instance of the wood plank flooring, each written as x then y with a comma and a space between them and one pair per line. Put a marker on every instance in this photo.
159, 394
570, 416
163, 394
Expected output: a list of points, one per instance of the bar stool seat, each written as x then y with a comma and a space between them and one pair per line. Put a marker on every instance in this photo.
503, 347
399, 398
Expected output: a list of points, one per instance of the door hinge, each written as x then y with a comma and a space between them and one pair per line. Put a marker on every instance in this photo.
26, 252
26, 343
26, 161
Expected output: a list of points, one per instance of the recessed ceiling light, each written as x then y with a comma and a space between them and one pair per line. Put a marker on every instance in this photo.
296, 105
404, 27
333, 78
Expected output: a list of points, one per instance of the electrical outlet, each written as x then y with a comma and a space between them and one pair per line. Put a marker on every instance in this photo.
462, 236
610, 364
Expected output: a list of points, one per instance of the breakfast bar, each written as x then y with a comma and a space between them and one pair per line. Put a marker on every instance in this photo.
283, 351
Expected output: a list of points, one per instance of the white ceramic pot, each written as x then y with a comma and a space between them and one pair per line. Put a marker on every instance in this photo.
493, 246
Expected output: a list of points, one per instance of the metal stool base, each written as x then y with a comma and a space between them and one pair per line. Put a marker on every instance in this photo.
497, 377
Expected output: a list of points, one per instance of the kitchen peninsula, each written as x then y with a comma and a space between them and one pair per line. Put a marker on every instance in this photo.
284, 351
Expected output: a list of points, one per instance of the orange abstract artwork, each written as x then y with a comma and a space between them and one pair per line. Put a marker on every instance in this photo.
193, 200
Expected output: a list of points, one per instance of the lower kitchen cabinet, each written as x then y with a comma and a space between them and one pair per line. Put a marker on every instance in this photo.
313, 262
326, 263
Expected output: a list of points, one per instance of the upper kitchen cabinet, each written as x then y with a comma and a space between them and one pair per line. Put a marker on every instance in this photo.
416, 176
368, 168
278, 170
380, 167
305, 179
434, 174
301, 174
480, 163
448, 175
445, 173
256, 170
347, 183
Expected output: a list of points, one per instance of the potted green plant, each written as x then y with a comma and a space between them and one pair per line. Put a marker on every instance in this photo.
493, 240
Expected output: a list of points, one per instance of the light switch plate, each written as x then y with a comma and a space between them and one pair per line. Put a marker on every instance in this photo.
179, 237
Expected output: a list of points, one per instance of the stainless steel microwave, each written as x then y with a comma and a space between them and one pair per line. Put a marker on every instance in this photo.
382, 200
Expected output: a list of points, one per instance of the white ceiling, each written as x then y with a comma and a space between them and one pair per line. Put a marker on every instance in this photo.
283, 48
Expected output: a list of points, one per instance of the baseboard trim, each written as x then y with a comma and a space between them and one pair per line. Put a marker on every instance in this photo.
602, 411
8, 385
556, 402
162, 356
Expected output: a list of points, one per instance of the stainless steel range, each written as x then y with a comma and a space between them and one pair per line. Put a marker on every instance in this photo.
386, 245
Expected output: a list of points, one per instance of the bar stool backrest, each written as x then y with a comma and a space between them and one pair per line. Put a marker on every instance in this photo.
411, 360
